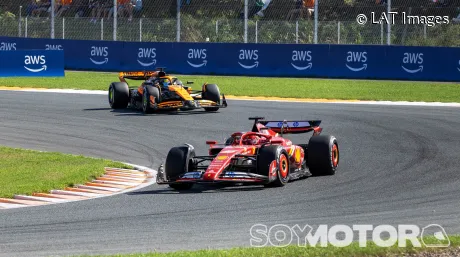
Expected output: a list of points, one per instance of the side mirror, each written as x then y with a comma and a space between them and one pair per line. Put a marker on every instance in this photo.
189, 82
211, 142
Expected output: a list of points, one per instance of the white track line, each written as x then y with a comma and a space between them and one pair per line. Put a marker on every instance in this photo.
401, 103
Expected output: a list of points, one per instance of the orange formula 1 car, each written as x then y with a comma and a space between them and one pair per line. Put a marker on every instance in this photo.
260, 156
160, 91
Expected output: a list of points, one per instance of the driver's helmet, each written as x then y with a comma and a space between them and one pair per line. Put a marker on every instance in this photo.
164, 83
251, 140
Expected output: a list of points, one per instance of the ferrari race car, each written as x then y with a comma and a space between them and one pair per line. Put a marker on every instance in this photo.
160, 91
261, 156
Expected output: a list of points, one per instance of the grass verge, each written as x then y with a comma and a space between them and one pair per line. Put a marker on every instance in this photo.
26, 171
293, 251
272, 87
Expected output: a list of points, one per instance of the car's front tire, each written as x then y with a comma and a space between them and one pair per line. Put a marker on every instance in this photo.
273, 161
179, 161
150, 94
211, 92
118, 95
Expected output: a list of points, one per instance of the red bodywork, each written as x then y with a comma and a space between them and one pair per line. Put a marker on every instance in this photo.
238, 149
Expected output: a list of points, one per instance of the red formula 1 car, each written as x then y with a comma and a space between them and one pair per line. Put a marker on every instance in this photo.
261, 156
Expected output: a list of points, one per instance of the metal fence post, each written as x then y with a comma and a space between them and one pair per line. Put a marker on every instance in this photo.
25, 29
315, 38
246, 21
178, 21
115, 17
389, 23
217, 30
297, 32
102, 29
63, 28
424, 31
140, 30
257, 32
338, 32
381, 33
20, 22
53, 4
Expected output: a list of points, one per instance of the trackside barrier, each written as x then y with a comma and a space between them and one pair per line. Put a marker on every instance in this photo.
290, 60
31, 63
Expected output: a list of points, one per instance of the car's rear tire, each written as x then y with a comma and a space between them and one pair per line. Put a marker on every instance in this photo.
178, 162
153, 92
323, 155
273, 161
211, 92
118, 95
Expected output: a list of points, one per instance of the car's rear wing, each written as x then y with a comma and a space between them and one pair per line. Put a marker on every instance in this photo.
139, 75
289, 127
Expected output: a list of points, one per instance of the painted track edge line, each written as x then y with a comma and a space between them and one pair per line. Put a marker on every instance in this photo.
249, 98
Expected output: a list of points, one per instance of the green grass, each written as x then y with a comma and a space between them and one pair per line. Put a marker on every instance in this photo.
293, 251
26, 171
273, 87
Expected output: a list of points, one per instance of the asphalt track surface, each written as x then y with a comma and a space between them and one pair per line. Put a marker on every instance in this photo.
399, 165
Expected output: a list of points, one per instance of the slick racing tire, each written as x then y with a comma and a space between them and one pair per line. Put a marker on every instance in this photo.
150, 93
118, 95
211, 92
178, 162
273, 161
323, 155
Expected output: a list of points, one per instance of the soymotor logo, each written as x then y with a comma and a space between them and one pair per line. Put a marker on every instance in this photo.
197, 55
99, 52
304, 57
249, 55
35, 60
281, 235
146, 56
412, 59
358, 60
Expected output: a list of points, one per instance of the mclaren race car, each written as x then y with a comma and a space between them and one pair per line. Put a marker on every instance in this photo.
160, 91
260, 156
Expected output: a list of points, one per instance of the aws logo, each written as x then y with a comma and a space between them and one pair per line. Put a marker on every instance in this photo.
146, 56
358, 60
99, 52
54, 47
35, 60
413, 59
195, 55
7, 46
249, 55
304, 57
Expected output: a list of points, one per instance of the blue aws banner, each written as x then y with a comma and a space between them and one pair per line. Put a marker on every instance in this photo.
31, 63
290, 60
